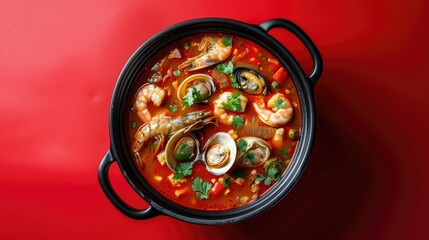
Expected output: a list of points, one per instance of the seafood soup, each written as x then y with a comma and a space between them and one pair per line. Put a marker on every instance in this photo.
214, 121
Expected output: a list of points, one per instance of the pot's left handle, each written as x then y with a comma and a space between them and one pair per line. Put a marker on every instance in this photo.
114, 198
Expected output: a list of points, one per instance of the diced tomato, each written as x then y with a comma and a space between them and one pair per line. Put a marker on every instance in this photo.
280, 76
216, 189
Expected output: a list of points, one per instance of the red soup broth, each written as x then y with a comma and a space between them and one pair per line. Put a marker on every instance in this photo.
239, 185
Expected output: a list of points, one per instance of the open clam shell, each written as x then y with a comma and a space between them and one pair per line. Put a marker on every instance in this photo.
201, 82
219, 153
257, 152
181, 147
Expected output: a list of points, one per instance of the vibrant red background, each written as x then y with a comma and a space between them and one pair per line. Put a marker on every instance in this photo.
366, 179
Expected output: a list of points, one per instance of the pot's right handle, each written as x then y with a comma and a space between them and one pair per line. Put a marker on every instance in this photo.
301, 35
114, 198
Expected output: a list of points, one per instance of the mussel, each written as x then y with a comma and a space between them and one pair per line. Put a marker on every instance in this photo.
277, 164
253, 152
200, 82
250, 81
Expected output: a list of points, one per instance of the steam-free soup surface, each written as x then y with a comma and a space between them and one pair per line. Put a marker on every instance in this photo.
225, 84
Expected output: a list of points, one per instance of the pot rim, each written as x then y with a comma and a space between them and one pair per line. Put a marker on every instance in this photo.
132, 68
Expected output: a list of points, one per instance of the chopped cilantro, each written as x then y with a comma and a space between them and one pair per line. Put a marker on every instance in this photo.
234, 82
154, 145
250, 156
133, 124
242, 145
186, 46
201, 188
176, 73
172, 108
182, 154
280, 103
191, 98
233, 102
226, 41
237, 122
213, 38
260, 177
182, 170
272, 175
283, 151
226, 67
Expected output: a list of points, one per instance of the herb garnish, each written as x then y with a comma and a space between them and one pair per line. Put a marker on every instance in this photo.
260, 177
226, 41
186, 46
250, 156
182, 154
213, 38
201, 188
226, 182
272, 175
133, 124
191, 98
234, 81
172, 108
280, 103
176, 73
233, 102
283, 151
242, 145
182, 170
237, 121
226, 67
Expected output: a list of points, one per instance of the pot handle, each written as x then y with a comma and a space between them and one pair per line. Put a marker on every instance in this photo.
114, 198
301, 35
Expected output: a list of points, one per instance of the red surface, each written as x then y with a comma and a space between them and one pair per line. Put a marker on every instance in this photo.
367, 176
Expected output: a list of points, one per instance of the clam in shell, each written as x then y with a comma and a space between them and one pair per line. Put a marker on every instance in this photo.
219, 153
181, 147
256, 153
201, 82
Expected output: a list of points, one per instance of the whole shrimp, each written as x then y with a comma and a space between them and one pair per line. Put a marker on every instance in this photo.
164, 125
214, 52
147, 93
280, 113
225, 99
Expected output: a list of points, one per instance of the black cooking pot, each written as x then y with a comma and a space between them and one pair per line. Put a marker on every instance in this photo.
119, 150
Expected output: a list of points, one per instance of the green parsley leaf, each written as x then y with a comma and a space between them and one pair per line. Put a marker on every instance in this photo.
233, 102
234, 81
182, 170
213, 38
237, 121
182, 154
273, 173
191, 98
154, 145
280, 103
133, 124
260, 177
176, 73
226, 41
172, 108
268, 181
201, 188
186, 46
283, 151
226, 67
250, 156
242, 145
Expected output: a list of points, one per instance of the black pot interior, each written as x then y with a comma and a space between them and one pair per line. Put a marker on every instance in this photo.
120, 105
